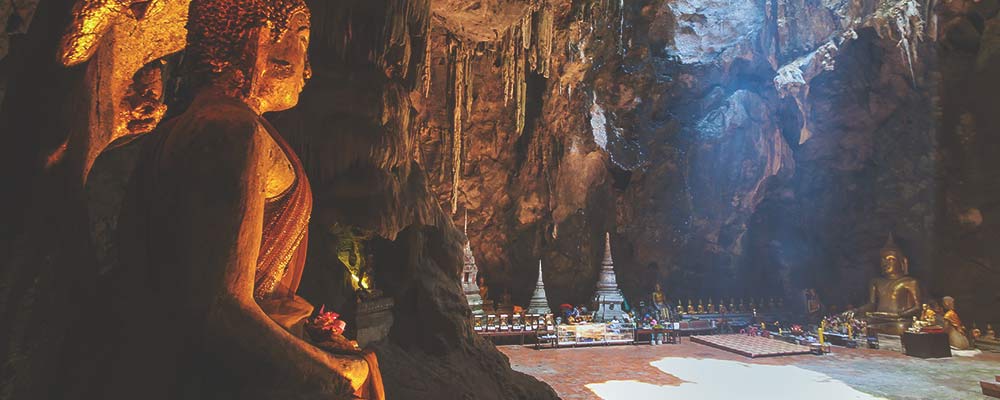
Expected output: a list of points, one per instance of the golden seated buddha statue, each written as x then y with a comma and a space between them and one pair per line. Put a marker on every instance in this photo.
894, 298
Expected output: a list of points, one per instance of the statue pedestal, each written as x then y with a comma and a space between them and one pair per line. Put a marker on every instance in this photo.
374, 320
926, 345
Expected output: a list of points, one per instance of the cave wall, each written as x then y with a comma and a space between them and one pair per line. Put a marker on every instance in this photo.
747, 149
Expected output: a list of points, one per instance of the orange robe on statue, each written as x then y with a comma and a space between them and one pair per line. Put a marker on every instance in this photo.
952, 317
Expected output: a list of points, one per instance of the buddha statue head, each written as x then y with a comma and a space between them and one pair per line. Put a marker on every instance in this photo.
894, 263
253, 50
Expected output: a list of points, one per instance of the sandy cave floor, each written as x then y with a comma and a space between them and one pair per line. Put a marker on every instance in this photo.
693, 371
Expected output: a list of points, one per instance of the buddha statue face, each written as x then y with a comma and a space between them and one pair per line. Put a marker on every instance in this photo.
281, 67
892, 265
948, 303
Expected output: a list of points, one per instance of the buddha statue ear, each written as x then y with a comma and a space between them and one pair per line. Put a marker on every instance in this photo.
906, 266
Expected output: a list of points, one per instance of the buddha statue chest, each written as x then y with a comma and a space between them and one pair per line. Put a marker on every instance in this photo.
896, 295
278, 170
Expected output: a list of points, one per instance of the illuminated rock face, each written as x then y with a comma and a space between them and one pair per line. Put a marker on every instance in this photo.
708, 29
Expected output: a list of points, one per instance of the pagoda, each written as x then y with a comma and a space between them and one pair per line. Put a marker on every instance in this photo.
539, 303
608, 298
469, 272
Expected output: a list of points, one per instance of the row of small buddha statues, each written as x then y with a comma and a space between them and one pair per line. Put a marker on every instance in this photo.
744, 306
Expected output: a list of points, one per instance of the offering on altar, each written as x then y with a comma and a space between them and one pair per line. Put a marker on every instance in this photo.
327, 332
504, 322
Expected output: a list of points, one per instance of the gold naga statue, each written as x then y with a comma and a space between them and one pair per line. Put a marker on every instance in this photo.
214, 229
894, 298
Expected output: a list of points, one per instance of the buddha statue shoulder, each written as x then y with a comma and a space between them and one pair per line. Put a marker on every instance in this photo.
215, 224
895, 297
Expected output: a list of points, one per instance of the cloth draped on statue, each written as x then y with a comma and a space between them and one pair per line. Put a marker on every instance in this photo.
952, 317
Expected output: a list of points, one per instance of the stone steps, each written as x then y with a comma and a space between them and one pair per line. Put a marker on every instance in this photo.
991, 389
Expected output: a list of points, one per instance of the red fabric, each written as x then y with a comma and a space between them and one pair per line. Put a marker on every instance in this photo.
285, 233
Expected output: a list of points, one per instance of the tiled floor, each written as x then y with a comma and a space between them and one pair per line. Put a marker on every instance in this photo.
877, 373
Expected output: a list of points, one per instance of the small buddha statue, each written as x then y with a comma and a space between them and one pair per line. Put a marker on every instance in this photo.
781, 303
732, 306
771, 305
701, 307
953, 325
659, 299
894, 297
711, 306
680, 307
743, 306
690, 309
990, 333
976, 332
928, 315
723, 309
484, 291
660, 302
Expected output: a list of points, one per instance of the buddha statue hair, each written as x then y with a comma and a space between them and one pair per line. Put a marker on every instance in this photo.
222, 40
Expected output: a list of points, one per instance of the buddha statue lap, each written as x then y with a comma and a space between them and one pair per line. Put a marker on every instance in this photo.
894, 298
215, 225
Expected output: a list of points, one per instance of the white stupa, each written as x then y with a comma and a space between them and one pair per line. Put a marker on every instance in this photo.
469, 272
608, 298
539, 303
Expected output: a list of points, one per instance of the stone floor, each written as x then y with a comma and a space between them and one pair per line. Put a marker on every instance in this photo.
693, 371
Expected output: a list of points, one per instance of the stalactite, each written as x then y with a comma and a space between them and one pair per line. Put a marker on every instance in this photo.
526, 45
526, 31
506, 65
468, 81
905, 19
461, 91
543, 46
520, 90
428, 41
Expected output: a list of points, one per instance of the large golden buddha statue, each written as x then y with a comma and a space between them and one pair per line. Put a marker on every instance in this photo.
894, 298
214, 228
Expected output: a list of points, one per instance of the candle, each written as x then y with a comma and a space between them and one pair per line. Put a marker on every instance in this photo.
819, 332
